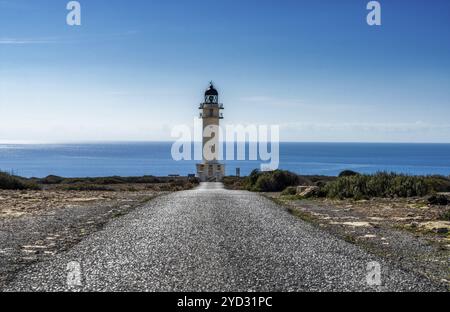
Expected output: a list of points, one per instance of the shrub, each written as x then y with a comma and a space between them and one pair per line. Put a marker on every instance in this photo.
9, 182
290, 190
107, 180
439, 200
144, 179
263, 184
113, 180
445, 216
51, 179
252, 178
439, 183
234, 183
273, 181
348, 173
87, 187
383, 184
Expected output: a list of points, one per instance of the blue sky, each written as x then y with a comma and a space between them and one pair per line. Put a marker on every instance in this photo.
134, 69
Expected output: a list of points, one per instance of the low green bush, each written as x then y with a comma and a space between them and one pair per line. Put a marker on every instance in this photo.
234, 183
87, 187
290, 190
348, 173
439, 200
439, 184
271, 181
51, 179
384, 184
445, 216
112, 180
9, 182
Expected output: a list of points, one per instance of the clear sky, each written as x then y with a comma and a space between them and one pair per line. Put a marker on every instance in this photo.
135, 68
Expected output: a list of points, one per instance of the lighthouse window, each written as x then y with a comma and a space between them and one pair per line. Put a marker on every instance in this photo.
211, 112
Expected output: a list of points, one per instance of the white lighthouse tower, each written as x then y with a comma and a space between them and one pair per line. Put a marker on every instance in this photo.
210, 112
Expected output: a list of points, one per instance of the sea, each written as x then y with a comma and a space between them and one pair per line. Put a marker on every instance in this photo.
155, 158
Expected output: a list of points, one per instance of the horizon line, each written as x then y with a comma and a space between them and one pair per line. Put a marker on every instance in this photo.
21, 142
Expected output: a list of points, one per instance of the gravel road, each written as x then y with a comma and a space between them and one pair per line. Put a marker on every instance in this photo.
211, 239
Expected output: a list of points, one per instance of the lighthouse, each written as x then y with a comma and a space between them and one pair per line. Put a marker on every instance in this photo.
211, 170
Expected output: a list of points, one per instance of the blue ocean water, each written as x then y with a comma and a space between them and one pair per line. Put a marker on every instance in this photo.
136, 159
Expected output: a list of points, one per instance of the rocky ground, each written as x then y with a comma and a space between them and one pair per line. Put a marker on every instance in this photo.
42, 225
211, 239
37, 225
408, 231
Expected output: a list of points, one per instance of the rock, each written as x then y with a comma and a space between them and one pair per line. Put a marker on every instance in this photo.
440, 227
353, 224
307, 191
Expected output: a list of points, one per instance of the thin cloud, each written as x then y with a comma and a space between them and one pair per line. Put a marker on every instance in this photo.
257, 99
17, 41
49, 40
368, 127
271, 101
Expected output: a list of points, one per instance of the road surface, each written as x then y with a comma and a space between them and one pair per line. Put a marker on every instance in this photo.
211, 239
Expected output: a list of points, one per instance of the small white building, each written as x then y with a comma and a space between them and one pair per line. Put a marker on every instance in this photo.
211, 114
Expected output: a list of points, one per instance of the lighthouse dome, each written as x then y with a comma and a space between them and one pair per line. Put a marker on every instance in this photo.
211, 91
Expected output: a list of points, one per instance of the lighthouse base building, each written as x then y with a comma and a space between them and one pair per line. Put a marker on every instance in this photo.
211, 170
